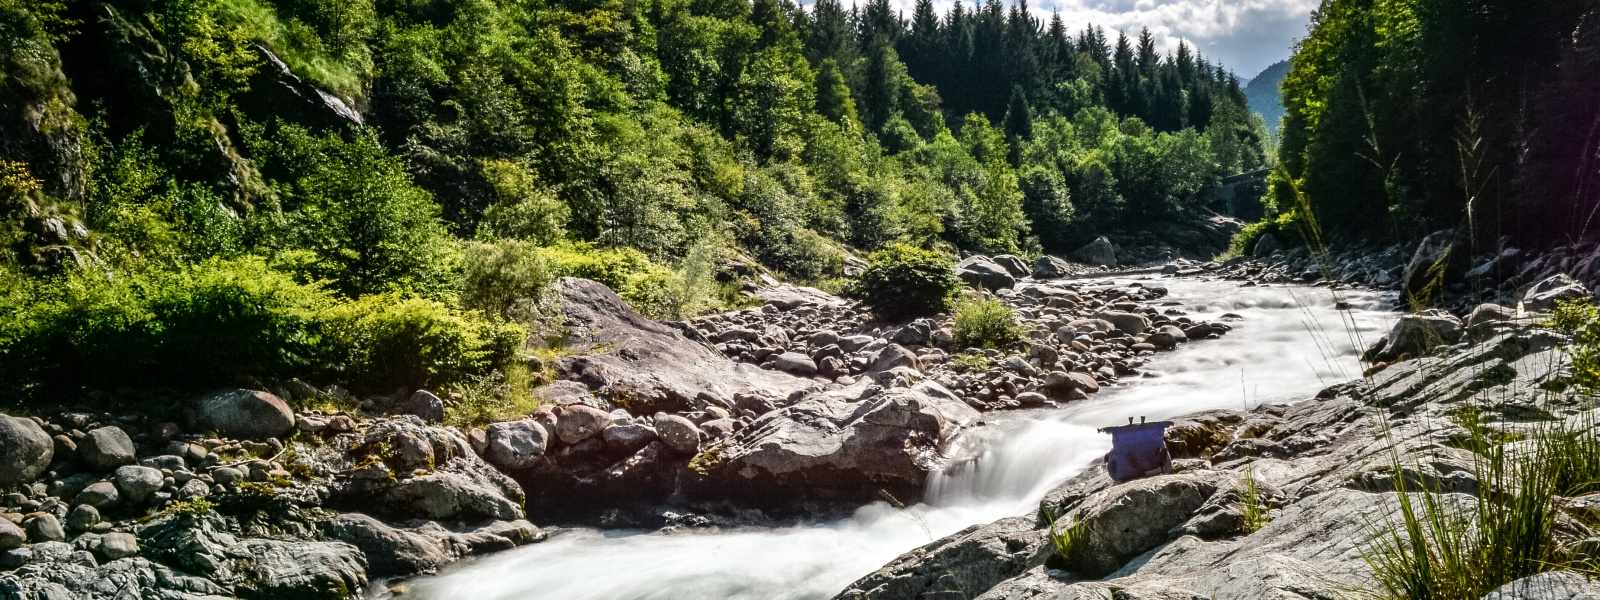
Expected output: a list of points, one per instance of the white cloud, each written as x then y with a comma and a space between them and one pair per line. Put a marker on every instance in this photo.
1243, 35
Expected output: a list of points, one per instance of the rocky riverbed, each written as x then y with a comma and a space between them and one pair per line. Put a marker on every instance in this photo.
801, 443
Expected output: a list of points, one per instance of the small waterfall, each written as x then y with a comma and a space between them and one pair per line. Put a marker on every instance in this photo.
1290, 343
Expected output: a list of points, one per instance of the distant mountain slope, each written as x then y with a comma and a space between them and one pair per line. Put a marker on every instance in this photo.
1263, 94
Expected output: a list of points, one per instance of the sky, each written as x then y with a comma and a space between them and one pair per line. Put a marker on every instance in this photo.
1245, 36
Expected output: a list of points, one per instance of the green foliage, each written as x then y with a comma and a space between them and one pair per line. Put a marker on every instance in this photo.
1251, 508
1068, 539
387, 341
1581, 320
491, 398
985, 322
506, 277
1439, 547
322, 40
903, 281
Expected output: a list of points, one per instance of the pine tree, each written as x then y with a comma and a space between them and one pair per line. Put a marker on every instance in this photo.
833, 95
1018, 123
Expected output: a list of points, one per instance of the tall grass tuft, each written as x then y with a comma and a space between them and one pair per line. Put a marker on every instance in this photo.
1067, 538
985, 322
1443, 549
1251, 508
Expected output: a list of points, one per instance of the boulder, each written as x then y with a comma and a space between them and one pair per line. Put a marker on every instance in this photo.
11, 536
1435, 262
106, 448
627, 438
454, 492
1124, 521
390, 551
976, 558
516, 444
576, 423
1489, 313
424, 404
1050, 267
1415, 334
27, 452
893, 356
1098, 252
1550, 291
1550, 585
100, 494
241, 413
836, 446
1129, 323
43, 527
117, 546
795, 363
981, 271
649, 366
679, 433
1013, 265
137, 484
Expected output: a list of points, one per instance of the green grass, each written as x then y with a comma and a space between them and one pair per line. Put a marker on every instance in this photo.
344, 73
1251, 508
1067, 538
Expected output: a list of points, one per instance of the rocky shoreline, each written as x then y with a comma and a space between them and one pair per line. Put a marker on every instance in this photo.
801, 406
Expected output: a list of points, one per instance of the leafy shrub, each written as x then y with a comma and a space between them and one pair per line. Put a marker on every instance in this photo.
1285, 226
1581, 320
507, 278
384, 342
985, 322
903, 281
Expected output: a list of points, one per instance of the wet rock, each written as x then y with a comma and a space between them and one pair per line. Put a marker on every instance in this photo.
1128, 519
1551, 291
981, 271
241, 413
1098, 252
106, 448
976, 558
679, 434
516, 444
28, 451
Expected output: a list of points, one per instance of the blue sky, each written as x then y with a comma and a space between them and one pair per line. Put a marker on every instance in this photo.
1244, 35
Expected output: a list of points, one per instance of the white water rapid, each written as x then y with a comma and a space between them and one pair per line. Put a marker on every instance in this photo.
1290, 344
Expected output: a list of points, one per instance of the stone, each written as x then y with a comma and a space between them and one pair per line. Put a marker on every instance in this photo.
1070, 381
11, 536
1129, 323
976, 558
893, 356
1124, 521
1031, 399
795, 363
25, 451
1415, 334
226, 475
1550, 585
424, 404
136, 484
100, 494
390, 551
1050, 267
516, 444
1098, 252
576, 423
43, 527
980, 271
82, 518
1545, 294
1489, 313
1434, 261
1266, 246
679, 434
106, 448
241, 413
1013, 265
628, 438
117, 546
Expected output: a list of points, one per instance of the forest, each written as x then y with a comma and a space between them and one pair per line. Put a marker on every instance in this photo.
376, 191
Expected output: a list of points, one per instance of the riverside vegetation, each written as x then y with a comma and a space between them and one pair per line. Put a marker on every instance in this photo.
244, 242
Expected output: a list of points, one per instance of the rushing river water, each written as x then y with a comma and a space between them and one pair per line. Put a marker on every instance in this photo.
1291, 343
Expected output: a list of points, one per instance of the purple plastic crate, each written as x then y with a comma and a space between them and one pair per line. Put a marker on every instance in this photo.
1138, 450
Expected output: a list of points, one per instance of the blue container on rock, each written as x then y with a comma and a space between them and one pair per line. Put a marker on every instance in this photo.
1138, 450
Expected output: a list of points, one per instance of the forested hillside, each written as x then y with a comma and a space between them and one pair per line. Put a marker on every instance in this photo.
1409, 116
1262, 94
322, 180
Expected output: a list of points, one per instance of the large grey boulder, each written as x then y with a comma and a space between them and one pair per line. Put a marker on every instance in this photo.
1126, 520
106, 448
424, 404
1552, 585
1550, 291
137, 484
1050, 267
1126, 322
652, 365
795, 363
1435, 262
1098, 252
25, 451
1415, 334
516, 444
836, 446
240, 413
679, 433
256, 569
455, 492
43, 527
577, 422
981, 271
459, 485
894, 356
11, 536
976, 558
391, 551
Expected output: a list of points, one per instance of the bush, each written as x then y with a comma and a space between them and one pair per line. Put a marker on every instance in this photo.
903, 282
507, 278
985, 322
385, 342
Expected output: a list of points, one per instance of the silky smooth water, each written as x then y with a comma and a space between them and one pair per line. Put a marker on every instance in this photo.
1291, 343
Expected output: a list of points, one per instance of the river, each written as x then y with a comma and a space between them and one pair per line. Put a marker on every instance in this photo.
1291, 343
